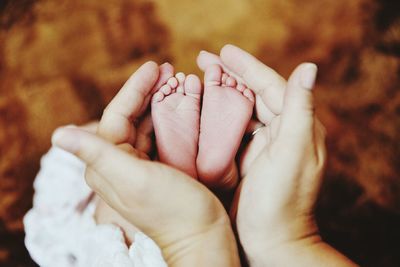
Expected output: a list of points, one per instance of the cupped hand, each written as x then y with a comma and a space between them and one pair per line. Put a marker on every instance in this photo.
182, 216
281, 167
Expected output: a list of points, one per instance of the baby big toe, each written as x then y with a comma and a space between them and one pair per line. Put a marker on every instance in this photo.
213, 76
193, 86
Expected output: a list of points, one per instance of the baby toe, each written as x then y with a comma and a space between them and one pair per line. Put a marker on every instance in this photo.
213, 76
241, 87
166, 89
231, 82
180, 76
224, 78
180, 89
193, 86
173, 82
166, 72
157, 97
249, 94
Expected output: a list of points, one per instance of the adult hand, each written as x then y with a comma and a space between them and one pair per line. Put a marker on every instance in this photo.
183, 217
116, 128
282, 166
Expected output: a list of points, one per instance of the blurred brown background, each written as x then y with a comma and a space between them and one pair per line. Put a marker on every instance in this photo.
62, 61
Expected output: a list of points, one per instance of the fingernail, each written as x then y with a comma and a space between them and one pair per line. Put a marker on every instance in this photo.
66, 138
308, 76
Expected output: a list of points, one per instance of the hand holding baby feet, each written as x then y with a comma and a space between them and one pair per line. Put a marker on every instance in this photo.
226, 112
276, 198
115, 128
281, 167
182, 216
176, 118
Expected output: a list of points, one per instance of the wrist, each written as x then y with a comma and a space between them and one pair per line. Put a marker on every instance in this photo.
215, 245
309, 251
277, 253
257, 238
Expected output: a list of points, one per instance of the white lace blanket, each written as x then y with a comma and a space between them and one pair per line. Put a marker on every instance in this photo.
60, 229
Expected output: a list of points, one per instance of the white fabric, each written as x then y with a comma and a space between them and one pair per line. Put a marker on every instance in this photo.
60, 229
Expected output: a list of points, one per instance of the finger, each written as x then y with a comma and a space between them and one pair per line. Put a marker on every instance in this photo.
166, 72
128, 184
253, 126
310, 184
206, 59
264, 81
253, 149
144, 135
263, 112
91, 127
116, 122
128, 148
320, 137
297, 119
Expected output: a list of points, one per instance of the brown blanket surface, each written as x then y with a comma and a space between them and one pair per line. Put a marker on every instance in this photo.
62, 61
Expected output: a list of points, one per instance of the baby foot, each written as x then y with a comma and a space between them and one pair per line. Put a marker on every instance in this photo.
176, 118
227, 109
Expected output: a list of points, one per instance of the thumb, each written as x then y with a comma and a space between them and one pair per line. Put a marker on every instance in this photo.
109, 164
298, 107
147, 194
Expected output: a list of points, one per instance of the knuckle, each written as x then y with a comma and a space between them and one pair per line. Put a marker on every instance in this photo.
96, 158
90, 179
